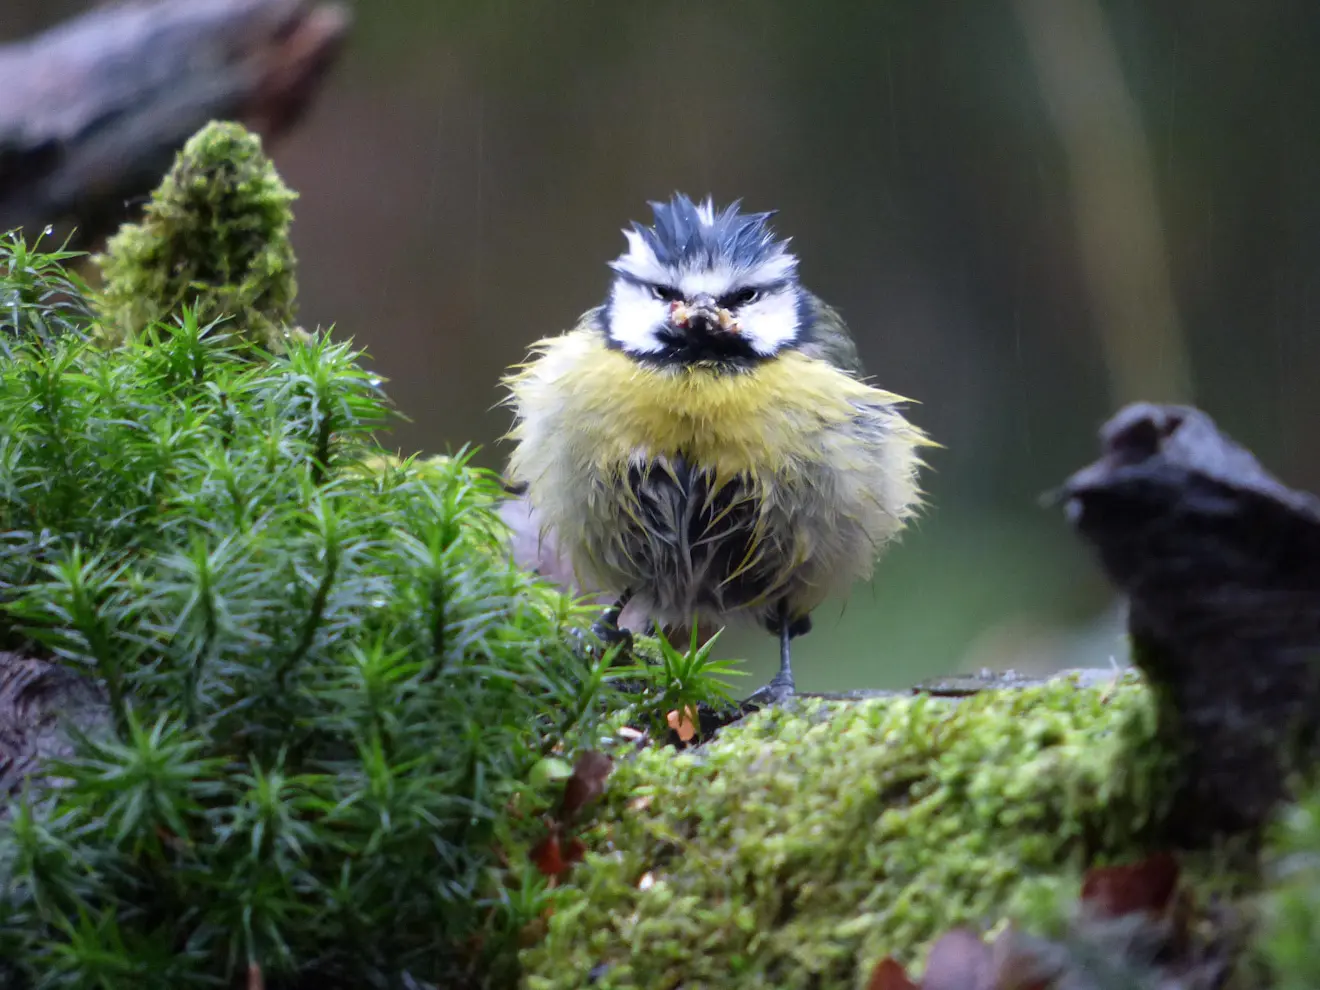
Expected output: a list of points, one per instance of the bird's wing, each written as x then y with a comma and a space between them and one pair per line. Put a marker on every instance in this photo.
831, 340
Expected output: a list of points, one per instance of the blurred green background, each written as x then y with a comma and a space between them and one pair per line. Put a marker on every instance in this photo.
1030, 212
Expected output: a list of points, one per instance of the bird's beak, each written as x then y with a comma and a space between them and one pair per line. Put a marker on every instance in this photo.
703, 315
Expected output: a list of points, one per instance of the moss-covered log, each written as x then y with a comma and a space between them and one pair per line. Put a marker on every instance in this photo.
804, 846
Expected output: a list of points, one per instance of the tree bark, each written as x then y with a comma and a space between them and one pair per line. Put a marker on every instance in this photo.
95, 108
37, 700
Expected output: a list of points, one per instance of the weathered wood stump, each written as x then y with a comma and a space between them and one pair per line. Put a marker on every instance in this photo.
1221, 565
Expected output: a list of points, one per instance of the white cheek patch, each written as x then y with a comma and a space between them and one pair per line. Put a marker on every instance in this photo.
634, 317
770, 322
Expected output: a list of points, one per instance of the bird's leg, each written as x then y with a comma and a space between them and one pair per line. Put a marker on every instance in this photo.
782, 682
782, 685
606, 628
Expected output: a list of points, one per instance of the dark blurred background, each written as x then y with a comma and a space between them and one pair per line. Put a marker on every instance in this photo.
1029, 212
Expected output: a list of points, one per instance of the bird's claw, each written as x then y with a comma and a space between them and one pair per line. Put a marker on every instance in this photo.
779, 690
601, 636
611, 635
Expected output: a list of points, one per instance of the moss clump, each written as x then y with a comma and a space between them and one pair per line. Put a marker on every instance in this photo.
215, 235
800, 848
1291, 907
327, 683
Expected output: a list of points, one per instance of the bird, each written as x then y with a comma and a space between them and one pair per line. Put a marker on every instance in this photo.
704, 442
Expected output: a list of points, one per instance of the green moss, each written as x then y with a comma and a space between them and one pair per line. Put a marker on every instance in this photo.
215, 236
1291, 916
801, 847
328, 684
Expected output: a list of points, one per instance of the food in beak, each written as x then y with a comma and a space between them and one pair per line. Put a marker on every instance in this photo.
712, 317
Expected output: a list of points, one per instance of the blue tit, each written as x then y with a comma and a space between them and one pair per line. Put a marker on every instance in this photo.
704, 442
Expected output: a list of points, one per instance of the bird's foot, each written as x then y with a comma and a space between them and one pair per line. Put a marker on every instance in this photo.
604, 635
610, 634
779, 690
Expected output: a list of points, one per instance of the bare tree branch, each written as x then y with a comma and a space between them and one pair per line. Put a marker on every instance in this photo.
95, 108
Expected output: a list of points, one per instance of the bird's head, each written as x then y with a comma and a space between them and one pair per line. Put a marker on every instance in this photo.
704, 286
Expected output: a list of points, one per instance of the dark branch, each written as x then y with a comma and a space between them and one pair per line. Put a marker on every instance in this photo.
95, 108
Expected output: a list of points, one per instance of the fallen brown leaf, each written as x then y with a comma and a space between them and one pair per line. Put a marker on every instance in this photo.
890, 975
548, 857
586, 783
1113, 891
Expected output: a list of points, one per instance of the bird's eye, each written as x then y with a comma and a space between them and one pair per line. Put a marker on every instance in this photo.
664, 292
740, 297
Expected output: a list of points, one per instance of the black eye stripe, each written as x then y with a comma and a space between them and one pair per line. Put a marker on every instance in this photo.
750, 293
739, 297
729, 300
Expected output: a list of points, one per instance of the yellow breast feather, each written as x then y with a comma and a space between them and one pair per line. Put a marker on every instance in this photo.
755, 423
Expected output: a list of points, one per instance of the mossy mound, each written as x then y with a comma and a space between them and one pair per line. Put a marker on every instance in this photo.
800, 848
327, 683
215, 235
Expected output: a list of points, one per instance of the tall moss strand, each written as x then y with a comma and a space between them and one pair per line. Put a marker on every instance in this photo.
215, 234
